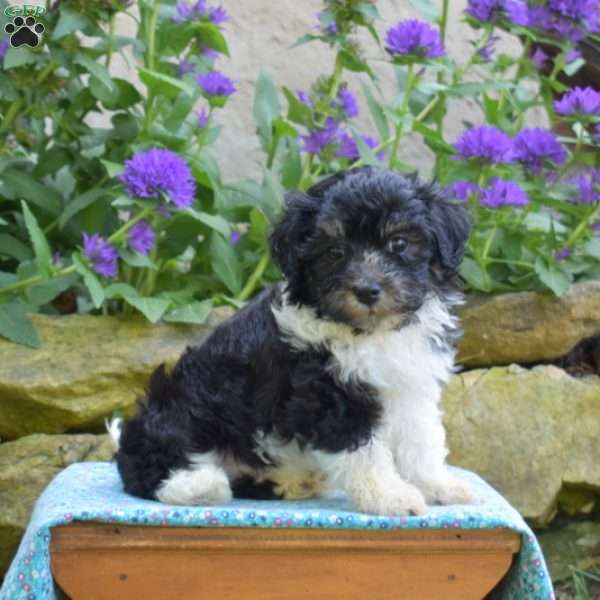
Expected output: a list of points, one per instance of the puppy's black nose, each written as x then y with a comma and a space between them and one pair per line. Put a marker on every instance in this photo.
367, 294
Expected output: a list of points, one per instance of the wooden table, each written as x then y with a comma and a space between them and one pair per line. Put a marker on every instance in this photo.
94, 561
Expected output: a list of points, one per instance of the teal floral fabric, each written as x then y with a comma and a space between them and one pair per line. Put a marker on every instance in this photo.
93, 492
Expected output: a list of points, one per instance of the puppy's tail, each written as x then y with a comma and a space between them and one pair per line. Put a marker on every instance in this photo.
114, 427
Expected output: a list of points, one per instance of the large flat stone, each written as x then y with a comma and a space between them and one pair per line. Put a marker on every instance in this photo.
87, 368
527, 432
528, 327
26, 467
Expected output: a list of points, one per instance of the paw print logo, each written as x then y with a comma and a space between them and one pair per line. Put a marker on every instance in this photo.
24, 32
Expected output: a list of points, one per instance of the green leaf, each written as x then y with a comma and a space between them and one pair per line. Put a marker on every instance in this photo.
152, 308
45, 292
225, 264
592, 248
473, 88
266, 107
135, 259
22, 185
552, 277
97, 70
259, 227
426, 9
377, 113
298, 112
13, 247
212, 37
43, 256
473, 275
8, 91
216, 222
126, 94
78, 204
16, 326
291, 166
120, 290
368, 10
272, 194
195, 312
113, 169
68, 22
17, 57
159, 83
92, 283
353, 63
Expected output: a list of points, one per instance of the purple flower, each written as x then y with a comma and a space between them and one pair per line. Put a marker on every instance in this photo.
534, 147
414, 37
156, 171
317, 139
183, 67
580, 102
596, 226
539, 58
4, 46
203, 118
331, 29
566, 19
503, 193
218, 15
103, 255
588, 186
562, 254
304, 98
463, 190
486, 52
485, 143
349, 148
235, 237
188, 12
492, 10
209, 53
348, 103
215, 84
572, 55
141, 237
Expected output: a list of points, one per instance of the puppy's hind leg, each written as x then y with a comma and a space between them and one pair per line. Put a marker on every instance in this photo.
204, 482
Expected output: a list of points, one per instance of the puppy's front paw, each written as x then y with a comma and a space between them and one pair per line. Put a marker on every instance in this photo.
451, 491
400, 501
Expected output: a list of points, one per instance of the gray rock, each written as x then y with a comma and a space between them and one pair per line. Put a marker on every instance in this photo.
528, 327
26, 467
527, 432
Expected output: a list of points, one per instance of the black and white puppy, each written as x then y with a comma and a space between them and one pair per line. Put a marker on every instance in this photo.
329, 379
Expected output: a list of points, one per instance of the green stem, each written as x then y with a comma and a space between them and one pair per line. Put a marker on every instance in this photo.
401, 114
444, 19
580, 229
111, 39
35, 279
118, 235
255, 277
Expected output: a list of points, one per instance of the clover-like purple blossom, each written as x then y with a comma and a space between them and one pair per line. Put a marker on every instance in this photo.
588, 186
102, 254
203, 118
347, 102
463, 190
539, 58
218, 15
349, 148
414, 37
562, 254
321, 137
4, 46
141, 237
184, 67
596, 227
485, 143
501, 192
209, 53
157, 172
304, 98
187, 11
490, 11
215, 83
579, 102
486, 52
235, 237
565, 19
535, 147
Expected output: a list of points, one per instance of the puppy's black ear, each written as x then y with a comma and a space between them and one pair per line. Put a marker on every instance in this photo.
294, 227
450, 225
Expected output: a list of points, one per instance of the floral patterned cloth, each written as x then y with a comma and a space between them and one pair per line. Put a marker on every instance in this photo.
93, 492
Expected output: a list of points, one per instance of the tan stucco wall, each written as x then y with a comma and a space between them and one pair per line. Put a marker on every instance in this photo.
259, 36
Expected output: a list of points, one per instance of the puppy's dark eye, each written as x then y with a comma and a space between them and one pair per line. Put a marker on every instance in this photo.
397, 245
335, 253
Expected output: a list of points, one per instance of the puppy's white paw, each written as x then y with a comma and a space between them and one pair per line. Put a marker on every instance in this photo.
400, 501
207, 485
451, 491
